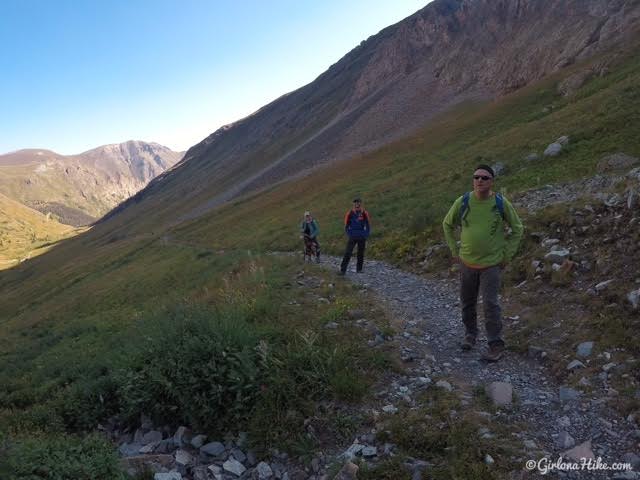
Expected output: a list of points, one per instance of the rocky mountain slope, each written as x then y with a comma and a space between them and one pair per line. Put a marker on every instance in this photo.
77, 189
449, 52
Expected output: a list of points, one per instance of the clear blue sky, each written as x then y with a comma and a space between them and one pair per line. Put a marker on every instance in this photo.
76, 74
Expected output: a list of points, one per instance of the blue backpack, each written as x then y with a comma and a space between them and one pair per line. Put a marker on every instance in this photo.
464, 209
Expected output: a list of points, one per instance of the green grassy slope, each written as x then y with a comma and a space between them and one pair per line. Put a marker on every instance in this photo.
25, 232
408, 186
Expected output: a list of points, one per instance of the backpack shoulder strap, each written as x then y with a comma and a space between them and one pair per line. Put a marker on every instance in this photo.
464, 208
500, 204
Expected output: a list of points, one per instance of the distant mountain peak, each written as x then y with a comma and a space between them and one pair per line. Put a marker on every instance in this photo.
82, 187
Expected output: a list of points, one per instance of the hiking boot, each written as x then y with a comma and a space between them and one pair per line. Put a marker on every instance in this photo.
341, 273
468, 343
318, 259
494, 352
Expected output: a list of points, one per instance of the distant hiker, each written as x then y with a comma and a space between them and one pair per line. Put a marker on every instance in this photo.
358, 228
309, 229
484, 251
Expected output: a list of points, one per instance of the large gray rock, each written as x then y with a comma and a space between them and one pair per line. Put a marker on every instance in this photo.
553, 150
369, 452
213, 449
183, 458
182, 437
584, 349
233, 466
238, 455
198, 441
579, 452
575, 364
500, 393
264, 471
351, 452
166, 446
557, 256
167, 476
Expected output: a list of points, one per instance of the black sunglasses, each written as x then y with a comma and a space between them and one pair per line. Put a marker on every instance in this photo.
483, 177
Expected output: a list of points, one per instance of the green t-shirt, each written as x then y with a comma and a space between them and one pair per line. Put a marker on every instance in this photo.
483, 240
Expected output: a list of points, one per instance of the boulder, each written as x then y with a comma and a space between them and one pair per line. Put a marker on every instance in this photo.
238, 455
264, 471
582, 451
500, 393
575, 364
553, 150
183, 458
213, 449
558, 255
198, 441
369, 452
182, 437
584, 349
233, 466
168, 476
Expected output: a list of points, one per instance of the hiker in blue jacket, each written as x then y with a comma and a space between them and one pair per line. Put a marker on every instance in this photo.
358, 228
309, 229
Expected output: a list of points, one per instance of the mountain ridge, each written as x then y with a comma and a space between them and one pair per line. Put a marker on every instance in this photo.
80, 188
393, 83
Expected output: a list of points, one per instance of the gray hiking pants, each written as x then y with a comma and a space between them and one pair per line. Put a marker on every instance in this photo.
487, 281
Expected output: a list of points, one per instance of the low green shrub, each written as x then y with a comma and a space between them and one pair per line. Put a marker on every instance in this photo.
202, 371
62, 457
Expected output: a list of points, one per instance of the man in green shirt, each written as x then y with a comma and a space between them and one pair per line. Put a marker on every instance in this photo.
484, 250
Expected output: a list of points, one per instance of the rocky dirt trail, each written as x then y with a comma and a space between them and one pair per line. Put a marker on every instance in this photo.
559, 421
